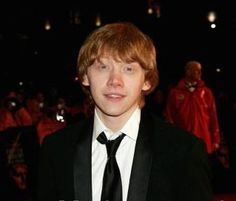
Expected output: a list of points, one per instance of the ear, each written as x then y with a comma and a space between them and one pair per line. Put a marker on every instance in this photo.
146, 86
85, 81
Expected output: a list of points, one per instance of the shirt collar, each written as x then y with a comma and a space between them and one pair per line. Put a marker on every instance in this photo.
130, 128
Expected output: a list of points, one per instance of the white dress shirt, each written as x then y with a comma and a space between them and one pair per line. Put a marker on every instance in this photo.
124, 154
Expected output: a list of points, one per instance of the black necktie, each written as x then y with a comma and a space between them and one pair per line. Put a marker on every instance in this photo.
112, 187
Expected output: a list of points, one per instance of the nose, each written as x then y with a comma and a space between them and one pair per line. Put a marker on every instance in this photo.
197, 73
115, 79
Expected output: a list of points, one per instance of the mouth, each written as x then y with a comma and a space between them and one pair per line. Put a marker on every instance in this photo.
114, 96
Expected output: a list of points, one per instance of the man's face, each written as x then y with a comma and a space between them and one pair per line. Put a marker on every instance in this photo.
194, 72
115, 86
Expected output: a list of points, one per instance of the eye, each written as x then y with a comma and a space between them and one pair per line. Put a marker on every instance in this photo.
128, 69
103, 67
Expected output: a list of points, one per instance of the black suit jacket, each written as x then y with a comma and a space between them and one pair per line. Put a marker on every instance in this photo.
169, 164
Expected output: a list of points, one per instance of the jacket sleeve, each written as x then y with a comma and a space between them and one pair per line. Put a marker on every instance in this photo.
46, 189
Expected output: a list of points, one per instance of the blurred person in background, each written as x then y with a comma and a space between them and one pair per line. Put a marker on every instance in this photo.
13, 112
191, 105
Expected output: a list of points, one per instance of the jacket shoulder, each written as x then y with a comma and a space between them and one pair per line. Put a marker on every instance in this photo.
170, 138
69, 135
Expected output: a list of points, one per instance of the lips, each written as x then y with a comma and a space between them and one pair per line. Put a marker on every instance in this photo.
114, 96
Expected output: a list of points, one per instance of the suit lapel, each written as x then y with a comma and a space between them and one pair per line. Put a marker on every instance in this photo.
82, 164
141, 168
141, 164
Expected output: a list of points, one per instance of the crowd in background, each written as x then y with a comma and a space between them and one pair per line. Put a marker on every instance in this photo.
50, 110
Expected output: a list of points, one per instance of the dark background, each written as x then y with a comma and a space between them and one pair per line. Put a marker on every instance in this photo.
47, 59
31, 54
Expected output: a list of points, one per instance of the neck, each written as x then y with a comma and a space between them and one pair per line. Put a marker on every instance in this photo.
115, 122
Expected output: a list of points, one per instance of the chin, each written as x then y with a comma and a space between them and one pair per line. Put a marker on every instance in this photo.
112, 113
113, 110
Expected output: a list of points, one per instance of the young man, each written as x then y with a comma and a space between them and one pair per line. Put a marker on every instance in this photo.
154, 160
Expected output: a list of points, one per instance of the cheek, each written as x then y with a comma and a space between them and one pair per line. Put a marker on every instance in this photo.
96, 89
139, 85
135, 90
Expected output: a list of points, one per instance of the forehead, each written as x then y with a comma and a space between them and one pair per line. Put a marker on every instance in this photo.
194, 66
112, 54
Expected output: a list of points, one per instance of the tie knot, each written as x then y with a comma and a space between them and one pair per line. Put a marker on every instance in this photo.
111, 145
